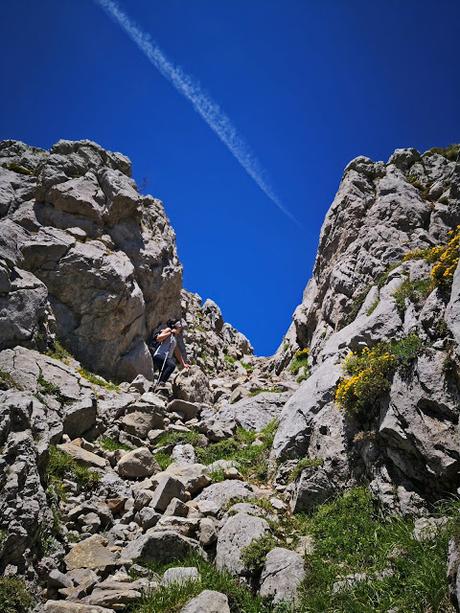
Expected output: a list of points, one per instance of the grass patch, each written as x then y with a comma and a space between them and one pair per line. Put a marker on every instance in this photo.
14, 595
217, 475
229, 359
252, 459
51, 389
299, 360
59, 352
6, 381
61, 465
373, 306
369, 372
248, 367
22, 170
415, 291
163, 459
171, 598
351, 536
110, 444
253, 556
176, 438
96, 380
302, 464
450, 152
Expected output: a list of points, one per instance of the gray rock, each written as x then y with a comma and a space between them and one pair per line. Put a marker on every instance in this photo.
180, 574
183, 454
313, 488
237, 533
60, 606
223, 492
192, 385
137, 463
139, 423
160, 546
193, 476
282, 575
167, 488
91, 553
189, 410
208, 601
253, 413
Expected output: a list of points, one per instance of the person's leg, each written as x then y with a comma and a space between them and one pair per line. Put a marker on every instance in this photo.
168, 370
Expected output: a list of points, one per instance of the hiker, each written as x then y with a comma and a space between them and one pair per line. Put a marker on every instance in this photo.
167, 353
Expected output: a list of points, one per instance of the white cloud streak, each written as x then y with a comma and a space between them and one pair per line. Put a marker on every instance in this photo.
209, 110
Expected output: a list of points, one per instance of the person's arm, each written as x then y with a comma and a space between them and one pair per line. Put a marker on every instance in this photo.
164, 335
179, 357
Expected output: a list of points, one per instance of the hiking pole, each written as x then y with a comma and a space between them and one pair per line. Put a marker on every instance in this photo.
161, 372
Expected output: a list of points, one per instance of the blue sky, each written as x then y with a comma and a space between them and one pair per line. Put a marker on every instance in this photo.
309, 84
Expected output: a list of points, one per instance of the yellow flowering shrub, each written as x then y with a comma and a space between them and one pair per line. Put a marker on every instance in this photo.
443, 257
368, 378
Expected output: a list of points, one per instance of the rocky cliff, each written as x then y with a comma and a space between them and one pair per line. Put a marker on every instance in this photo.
308, 481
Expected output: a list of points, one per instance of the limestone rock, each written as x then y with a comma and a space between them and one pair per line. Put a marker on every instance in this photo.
91, 553
61, 606
282, 575
208, 601
222, 493
137, 463
192, 386
180, 574
160, 546
237, 533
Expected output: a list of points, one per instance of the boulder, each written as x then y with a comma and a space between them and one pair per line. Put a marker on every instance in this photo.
61, 606
139, 423
223, 492
253, 413
137, 464
208, 601
238, 532
92, 553
193, 476
162, 546
192, 385
180, 574
81, 455
167, 488
282, 574
189, 410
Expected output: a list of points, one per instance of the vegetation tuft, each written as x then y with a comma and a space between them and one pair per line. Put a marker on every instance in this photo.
110, 444
6, 381
51, 389
96, 380
252, 459
14, 596
61, 466
369, 372
415, 291
302, 465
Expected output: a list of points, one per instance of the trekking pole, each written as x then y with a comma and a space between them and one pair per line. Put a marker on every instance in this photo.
161, 372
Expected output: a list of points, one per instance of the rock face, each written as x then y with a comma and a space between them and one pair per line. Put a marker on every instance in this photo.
408, 446
95, 259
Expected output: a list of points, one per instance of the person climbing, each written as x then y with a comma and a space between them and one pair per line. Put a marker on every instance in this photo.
168, 351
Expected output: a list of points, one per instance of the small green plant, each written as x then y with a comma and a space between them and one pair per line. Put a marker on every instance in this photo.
6, 381
96, 380
299, 360
50, 389
22, 170
415, 291
373, 306
175, 438
252, 459
302, 465
172, 598
248, 367
450, 152
229, 359
59, 352
14, 595
61, 465
110, 444
217, 475
253, 556
163, 459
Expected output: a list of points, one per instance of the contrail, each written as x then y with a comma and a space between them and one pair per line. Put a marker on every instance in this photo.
209, 110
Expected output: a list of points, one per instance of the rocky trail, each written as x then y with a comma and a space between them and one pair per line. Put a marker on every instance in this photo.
323, 478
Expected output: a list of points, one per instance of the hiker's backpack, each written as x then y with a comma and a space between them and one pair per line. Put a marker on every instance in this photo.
152, 343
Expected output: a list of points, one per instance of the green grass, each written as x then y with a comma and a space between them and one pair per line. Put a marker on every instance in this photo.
252, 460
110, 444
302, 464
59, 352
299, 360
22, 170
171, 598
450, 152
174, 438
14, 595
50, 389
253, 555
96, 380
247, 366
164, 459
229, 359
217, 476
415, 291
373, 306
6, 381
351, 536
61, 465
406, 350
